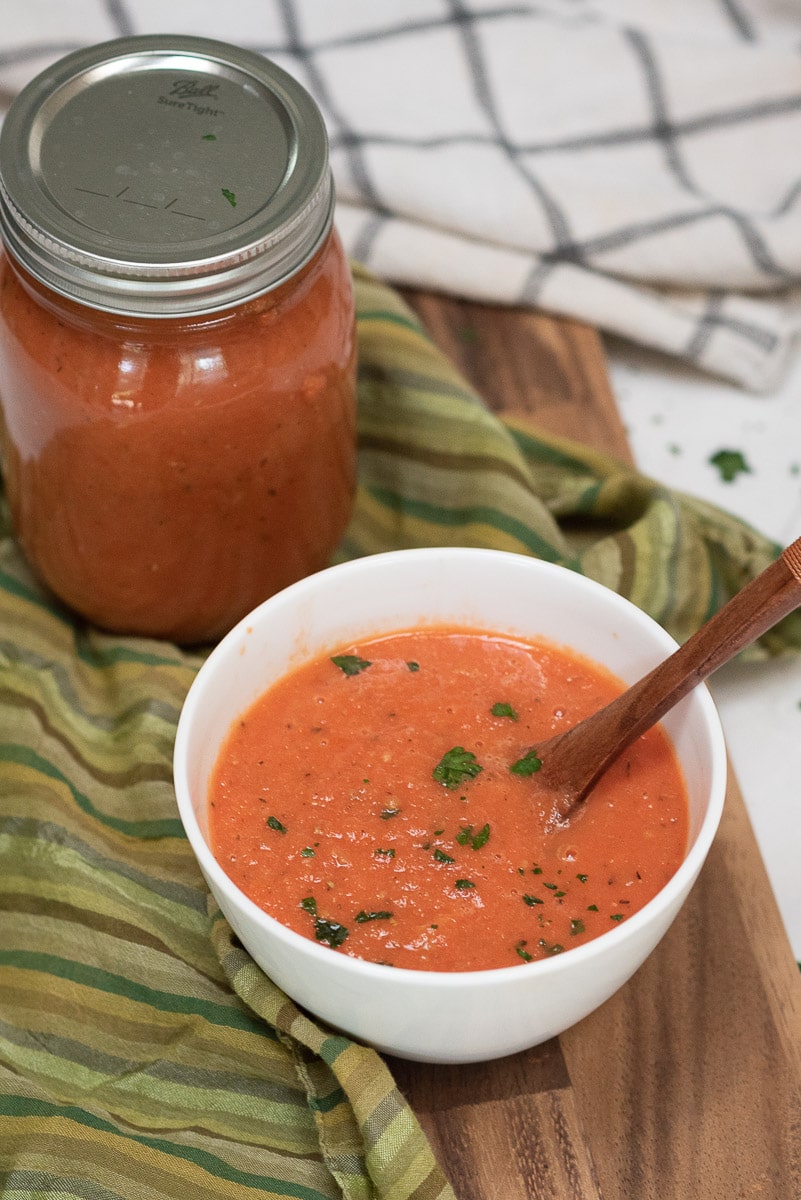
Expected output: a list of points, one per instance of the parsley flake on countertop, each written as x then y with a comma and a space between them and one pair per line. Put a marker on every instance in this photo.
230, 196
350, 664
730, 463
455, 766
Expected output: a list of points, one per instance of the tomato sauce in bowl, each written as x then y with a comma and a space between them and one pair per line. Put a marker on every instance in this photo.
383, 800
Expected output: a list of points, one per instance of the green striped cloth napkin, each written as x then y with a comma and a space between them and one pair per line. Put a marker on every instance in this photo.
142, 1053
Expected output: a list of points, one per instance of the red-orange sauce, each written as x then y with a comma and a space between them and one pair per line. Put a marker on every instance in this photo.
332, 805
166, 475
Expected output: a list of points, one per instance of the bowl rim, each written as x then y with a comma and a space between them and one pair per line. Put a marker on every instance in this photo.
669, 895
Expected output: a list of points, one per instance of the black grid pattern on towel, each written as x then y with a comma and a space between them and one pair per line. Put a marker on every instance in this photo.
289, 31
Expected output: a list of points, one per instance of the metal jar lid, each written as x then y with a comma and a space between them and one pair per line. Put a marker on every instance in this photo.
164, 176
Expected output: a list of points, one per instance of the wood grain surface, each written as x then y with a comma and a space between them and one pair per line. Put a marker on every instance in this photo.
687, 1083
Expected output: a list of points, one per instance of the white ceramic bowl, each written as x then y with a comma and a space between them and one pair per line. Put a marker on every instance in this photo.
426, 1015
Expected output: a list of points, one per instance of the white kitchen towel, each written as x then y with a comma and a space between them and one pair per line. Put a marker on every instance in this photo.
633, 163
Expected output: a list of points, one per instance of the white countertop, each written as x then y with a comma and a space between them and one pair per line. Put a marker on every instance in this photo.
676, 420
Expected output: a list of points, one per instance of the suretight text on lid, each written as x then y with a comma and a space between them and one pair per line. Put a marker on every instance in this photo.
164, 176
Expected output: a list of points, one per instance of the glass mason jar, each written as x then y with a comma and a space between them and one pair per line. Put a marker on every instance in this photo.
177, 344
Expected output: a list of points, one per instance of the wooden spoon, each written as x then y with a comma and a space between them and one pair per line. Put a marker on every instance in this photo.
573, 761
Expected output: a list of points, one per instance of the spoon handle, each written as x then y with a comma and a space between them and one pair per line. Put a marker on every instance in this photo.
582, 754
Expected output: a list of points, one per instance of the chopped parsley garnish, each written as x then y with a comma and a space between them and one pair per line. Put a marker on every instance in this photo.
209, 137
582, 878
551, 886
576, 926
529, 764
536, 870
413, 666
554, 949
466, 837
523, 952
481, 838
464, 884
381, 915
442, 857
730, 463
230, 196
385, 853
616, 917
503, 710
455, 766
307, 852
532, 900
350, 664
275, 824
592, 908
330, 932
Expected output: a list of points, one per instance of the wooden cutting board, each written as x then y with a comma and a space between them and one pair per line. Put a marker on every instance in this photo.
687, 1083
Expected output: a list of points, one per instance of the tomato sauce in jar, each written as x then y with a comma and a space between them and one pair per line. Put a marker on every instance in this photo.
177, 344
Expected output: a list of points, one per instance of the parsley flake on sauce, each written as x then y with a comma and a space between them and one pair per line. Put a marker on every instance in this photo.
350, 664
275, 824
532, 900
529, 764
464, 884
503, 710
556, 948
576, 926
330, 932
455, 766
523, 952
307, 852
390, 853
413, 666
442, 857
381, 915
466, 837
